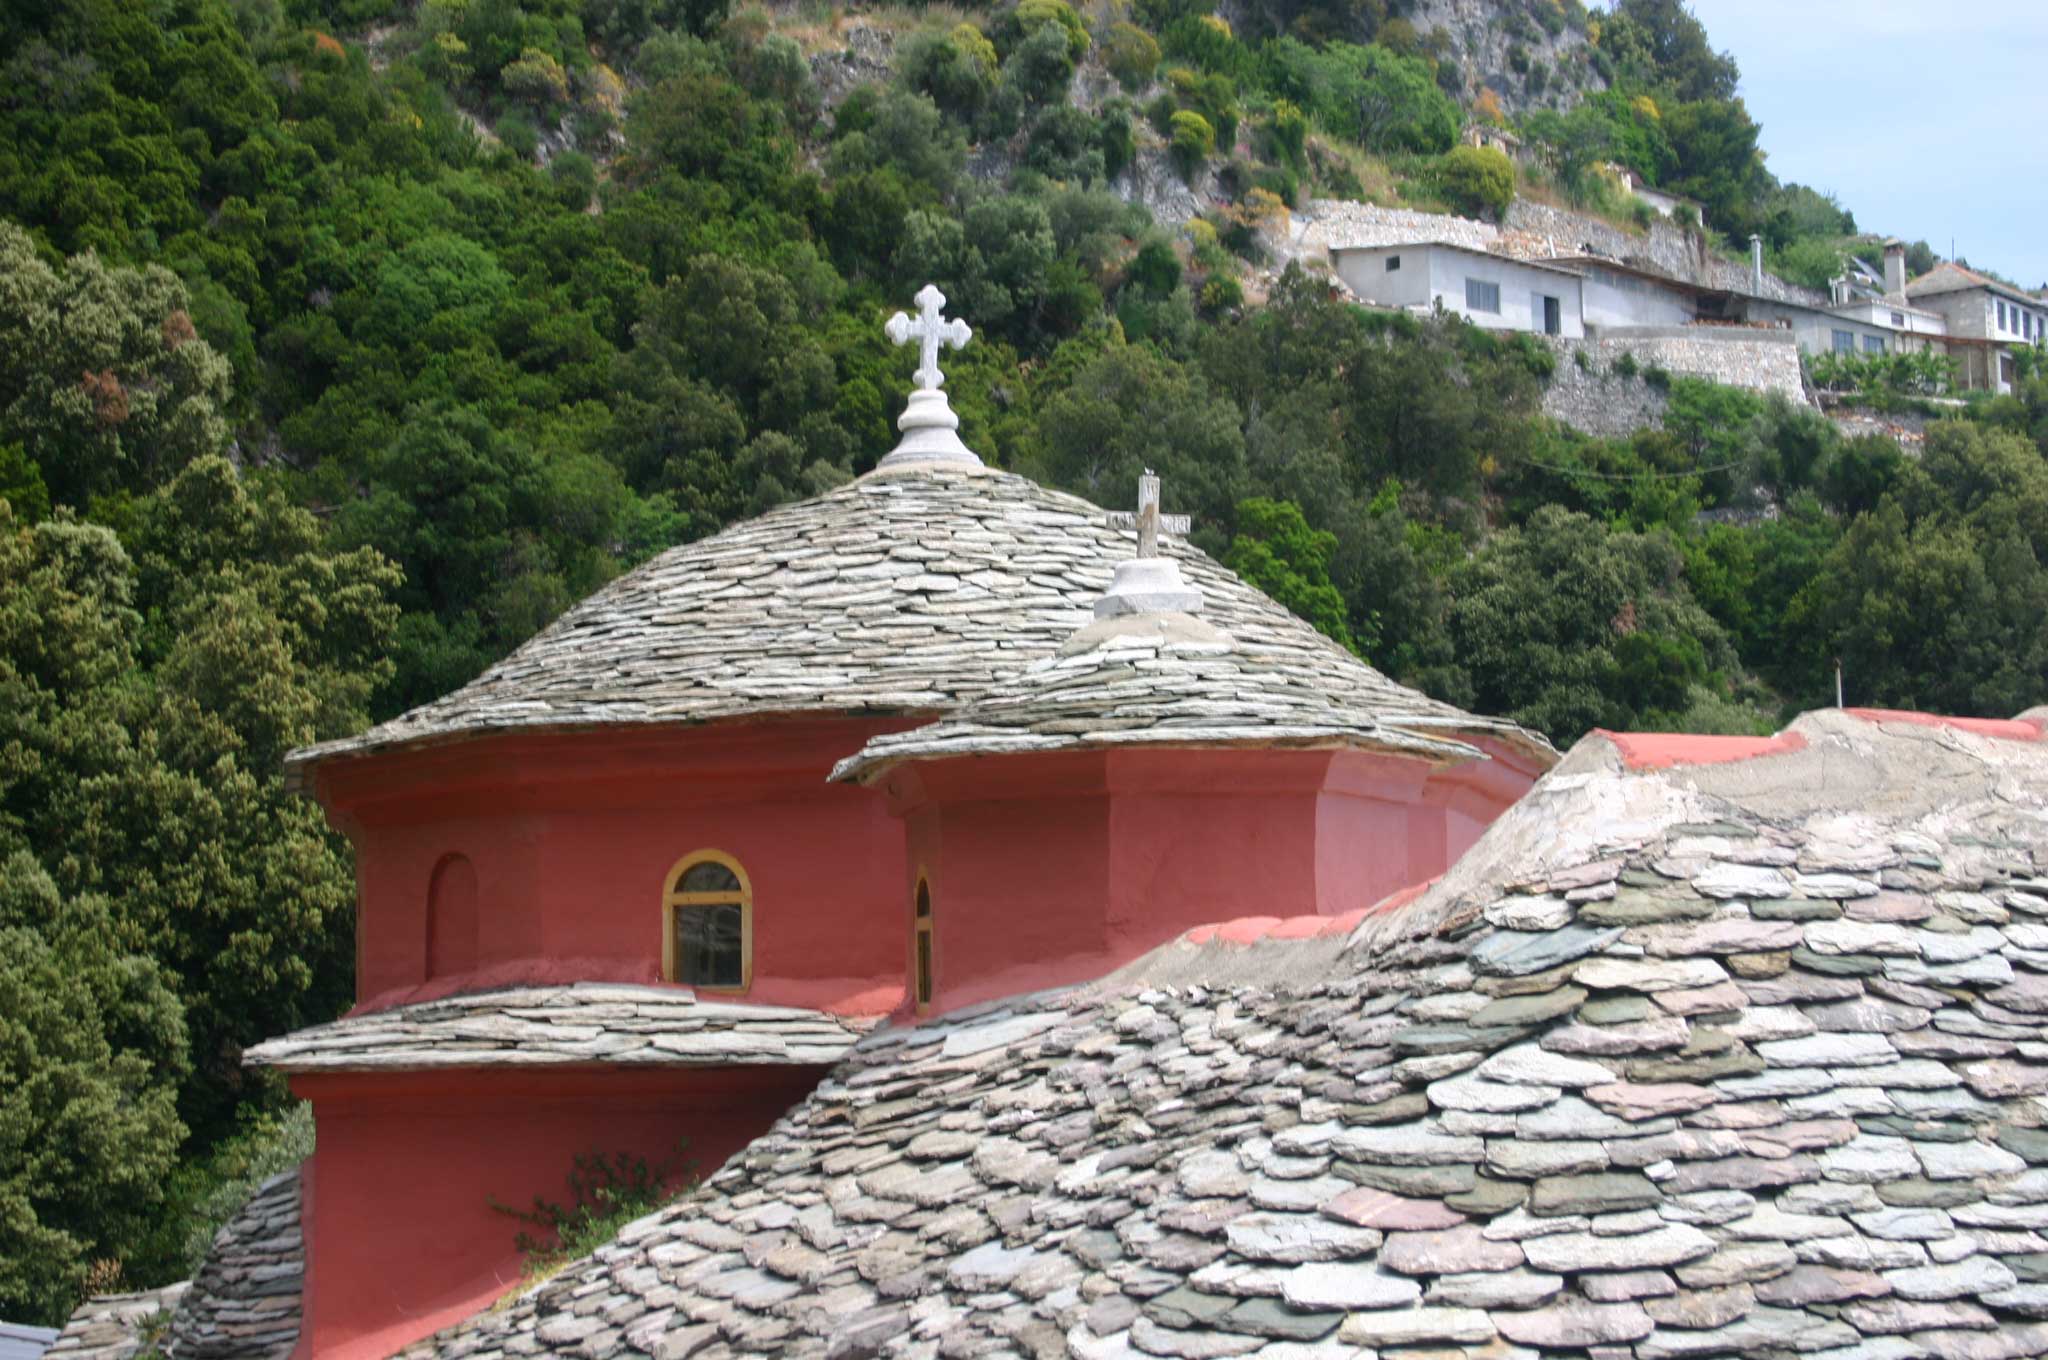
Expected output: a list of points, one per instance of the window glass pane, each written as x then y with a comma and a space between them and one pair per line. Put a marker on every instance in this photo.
1393, 263
1873, 344
1845, 342
708, 943
1482, 297
708, 876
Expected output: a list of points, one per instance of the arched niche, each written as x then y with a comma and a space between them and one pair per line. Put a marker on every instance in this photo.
451, 918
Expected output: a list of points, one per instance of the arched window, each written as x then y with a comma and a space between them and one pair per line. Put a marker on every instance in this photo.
451, 917
921, 946
708, 923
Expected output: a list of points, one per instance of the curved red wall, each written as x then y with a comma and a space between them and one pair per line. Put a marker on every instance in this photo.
1048, 869
570, 839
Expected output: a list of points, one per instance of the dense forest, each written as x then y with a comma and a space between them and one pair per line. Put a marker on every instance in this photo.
344, 343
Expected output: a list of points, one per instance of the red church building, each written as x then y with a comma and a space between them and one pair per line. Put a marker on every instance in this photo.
937, 736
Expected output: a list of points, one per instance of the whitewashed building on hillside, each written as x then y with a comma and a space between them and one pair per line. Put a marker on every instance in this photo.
1984, 317
1491, 291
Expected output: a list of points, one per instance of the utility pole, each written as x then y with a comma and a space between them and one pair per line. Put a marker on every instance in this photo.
1838, 682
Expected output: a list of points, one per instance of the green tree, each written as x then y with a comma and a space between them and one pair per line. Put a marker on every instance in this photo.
1275, 550
1566, 625
1130, 409
94, 1046
103, 379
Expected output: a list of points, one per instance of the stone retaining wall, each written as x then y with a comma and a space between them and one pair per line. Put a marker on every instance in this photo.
1600, 401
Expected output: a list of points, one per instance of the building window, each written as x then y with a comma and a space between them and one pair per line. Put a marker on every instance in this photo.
921, 946
1899, 320
1845, 342
1873, 344
2001, 315
1481, 296
1393, 263
708, 923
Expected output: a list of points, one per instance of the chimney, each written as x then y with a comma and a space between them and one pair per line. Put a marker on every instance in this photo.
1894, 269
1756, 264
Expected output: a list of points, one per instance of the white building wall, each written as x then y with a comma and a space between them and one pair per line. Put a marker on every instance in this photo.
1816, 331
1520, 287
1366, 274
1891, 316
1616, 299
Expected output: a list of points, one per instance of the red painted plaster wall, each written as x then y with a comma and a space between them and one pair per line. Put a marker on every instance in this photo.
1052, 869
570, 840
404, 1241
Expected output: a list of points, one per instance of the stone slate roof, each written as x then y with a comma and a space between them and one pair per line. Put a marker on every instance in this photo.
609, 1023
1705, 1060
115, 1326
19, 1341
1950, 277
244, 1303
908, 591
1152, 680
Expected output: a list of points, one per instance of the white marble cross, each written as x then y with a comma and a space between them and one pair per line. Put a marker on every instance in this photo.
931, 330
1149, 522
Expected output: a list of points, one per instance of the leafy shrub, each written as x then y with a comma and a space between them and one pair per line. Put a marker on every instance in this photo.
1117, 139
1040, 67
1065, 146
1159, 111
536, 77
1131, 55
1035, 15
957, 69
1476, 180
1221, 293
1191, 142
1626, 365
1207, 41
1155, 269
1287, 130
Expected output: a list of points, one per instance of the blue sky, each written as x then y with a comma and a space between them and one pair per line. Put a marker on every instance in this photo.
1925, 118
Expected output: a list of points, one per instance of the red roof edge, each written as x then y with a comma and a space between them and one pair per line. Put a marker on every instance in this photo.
2009, 729
1662, 750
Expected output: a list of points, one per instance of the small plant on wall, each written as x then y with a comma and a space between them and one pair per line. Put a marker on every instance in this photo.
605, 1194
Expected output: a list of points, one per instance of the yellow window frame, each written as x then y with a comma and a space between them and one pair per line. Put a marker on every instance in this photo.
671, 899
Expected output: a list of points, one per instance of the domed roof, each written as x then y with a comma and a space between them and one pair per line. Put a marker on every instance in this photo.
1166, 679
908, 592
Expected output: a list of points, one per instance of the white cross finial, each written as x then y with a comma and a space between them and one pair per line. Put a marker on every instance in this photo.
1148, 521
931, 330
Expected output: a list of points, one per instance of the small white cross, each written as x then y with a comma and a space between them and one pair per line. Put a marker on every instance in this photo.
931, 331
1149, 522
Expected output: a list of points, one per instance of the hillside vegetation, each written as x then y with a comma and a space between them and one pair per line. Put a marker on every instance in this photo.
344, 343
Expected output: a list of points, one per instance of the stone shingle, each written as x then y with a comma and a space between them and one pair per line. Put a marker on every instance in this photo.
910, 591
